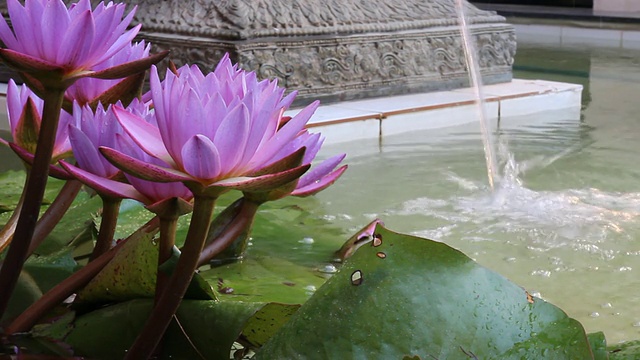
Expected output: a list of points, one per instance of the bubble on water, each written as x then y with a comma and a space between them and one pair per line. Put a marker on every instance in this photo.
510, 259
328, 269
594, 314
606, 306
625, 268
310, 288
636, 324
307, 240
329, 217
543, 273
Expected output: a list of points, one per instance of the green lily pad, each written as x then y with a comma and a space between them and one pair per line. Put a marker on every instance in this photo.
207, 329
415, 297
26, 293
199, 288
266, 322
49, 270
629, 350
56, 330
11, 184
598, 345
265, 278
40, 273
130, 275
76, 226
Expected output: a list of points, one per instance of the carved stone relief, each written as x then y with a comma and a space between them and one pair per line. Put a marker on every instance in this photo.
360, 66
332, 49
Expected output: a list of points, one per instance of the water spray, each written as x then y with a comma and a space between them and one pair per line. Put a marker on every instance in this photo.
475, 81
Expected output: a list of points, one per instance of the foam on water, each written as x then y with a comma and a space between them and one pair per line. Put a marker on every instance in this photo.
576, 218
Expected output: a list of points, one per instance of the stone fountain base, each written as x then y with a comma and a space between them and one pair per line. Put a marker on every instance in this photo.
333, 50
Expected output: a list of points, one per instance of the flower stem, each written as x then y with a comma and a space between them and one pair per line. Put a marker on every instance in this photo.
34, 192
110, 211
168, 226
68, 286
176, 287
54, 213
6, 234
234, 232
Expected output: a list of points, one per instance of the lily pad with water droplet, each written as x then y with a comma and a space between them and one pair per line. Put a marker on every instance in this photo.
429, 300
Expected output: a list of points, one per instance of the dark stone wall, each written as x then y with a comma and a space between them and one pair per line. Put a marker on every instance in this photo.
563, 3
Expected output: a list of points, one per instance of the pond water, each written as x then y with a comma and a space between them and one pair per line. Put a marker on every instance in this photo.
564, 221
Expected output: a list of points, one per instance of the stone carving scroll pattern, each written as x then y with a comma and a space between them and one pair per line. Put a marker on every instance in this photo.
242, 19
357, 63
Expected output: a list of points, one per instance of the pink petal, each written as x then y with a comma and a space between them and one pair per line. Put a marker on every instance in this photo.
142, 169
104, 186
320, 170
264, 182
87, 155
75, 47
143, 133
231, 137
122, 41
160, 191
285, 134
22, 28
55, 21
27, 157
6, 35
201, 158
320, 185
23, 62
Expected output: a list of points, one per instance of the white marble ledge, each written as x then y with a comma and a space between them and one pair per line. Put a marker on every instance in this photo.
405, 113
374, 118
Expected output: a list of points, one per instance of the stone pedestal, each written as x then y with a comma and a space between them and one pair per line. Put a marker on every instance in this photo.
333, 49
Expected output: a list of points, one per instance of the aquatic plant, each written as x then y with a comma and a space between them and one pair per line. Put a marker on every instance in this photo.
195, 138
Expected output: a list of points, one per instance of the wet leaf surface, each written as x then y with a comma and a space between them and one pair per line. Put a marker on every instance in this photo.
130, 275
265, 278
429, 300
629, 350
207, 328
598, 345
11, 184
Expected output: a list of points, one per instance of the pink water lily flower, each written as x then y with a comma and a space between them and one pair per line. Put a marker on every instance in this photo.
94, 129
87, 90
100, 128
215, 130
24, 110
50, 39
318, 178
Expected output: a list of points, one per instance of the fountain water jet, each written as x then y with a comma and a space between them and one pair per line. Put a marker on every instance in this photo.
475, 82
